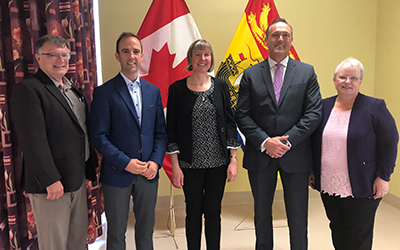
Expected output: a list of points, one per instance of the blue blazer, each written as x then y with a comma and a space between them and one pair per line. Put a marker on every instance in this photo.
371, 143
116, 133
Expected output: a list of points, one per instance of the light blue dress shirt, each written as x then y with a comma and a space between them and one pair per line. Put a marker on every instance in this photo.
135, 91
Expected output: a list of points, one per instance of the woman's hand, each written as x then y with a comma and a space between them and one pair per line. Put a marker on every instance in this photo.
380, 188
177, 176
232, 170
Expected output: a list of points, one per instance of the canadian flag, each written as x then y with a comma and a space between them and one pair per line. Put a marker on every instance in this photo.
166, 33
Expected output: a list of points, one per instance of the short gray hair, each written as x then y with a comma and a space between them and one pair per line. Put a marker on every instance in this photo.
351, 61
58, 41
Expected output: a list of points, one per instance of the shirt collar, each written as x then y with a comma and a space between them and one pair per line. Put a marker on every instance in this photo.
127, 81
284, 62
66, 82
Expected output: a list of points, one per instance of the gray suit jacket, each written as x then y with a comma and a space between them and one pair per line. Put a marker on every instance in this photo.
297, 114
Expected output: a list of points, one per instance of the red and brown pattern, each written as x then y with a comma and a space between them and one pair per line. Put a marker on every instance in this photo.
72, 20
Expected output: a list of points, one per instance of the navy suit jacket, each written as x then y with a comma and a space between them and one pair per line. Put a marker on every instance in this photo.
372, 139
297, 114
116, 133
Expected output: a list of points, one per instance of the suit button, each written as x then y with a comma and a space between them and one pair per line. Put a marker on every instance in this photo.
83, 155
82, 136
139, 152
222, 130
141, 136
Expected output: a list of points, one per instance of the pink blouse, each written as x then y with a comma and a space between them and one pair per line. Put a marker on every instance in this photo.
334, 169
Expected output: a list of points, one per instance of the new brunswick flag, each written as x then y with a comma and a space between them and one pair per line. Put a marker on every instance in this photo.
247, 46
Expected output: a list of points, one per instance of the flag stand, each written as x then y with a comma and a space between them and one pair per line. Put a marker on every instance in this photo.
171, 223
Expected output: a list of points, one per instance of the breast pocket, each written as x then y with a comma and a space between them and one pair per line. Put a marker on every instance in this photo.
294, 97
297, 89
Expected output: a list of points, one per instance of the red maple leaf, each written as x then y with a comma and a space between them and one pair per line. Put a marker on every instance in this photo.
161, 72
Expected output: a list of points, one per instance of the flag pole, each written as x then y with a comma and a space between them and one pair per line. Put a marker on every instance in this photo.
172, 223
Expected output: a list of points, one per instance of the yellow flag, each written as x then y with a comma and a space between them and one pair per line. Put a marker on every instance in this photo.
247, 46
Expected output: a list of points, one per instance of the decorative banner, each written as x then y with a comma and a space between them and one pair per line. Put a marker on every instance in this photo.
166, 33
247, 46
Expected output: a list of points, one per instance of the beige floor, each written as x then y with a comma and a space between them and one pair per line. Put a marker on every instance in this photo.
238, 228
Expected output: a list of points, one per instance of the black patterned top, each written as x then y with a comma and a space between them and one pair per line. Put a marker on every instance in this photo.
207, 148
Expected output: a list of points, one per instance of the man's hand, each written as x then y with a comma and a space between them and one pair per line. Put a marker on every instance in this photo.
151, 171
136, 167
55, 191
275, 148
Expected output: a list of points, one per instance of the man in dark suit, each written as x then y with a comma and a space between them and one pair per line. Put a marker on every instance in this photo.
279, 107
49, 115
129, 132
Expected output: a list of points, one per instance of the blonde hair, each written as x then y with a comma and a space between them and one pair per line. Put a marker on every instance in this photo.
199, 44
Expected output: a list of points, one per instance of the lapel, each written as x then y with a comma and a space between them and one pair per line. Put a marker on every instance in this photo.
327, 109
266, 75
356, 116
147, 101
358, 105
287, 80
122, 89
51, 87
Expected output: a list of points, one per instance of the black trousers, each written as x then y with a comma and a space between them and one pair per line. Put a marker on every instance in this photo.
351, 221
295, 190
204, 189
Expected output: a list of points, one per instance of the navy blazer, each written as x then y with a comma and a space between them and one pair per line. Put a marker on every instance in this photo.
297, 114
371, 143
179, 116
116, 133
51, 138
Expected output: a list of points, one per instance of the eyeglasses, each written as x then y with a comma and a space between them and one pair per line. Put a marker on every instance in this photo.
55, 56
344, 78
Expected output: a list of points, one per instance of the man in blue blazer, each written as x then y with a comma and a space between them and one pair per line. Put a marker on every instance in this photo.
277, 116
129, 133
